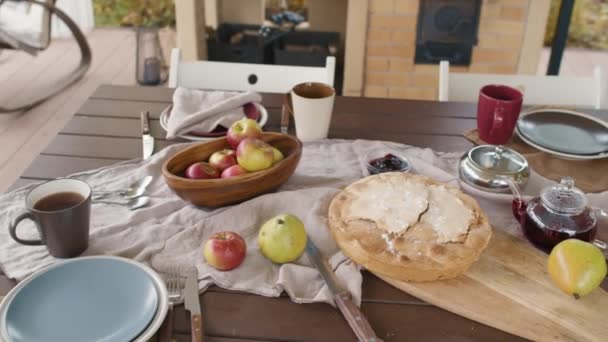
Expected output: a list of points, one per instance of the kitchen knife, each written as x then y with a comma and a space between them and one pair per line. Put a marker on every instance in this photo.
342, 297
286, 113
147, 139
192, 304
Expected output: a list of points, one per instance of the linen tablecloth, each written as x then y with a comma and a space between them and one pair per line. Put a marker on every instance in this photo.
170, 232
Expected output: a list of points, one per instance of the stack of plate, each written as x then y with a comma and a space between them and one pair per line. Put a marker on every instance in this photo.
86, 299
566, 134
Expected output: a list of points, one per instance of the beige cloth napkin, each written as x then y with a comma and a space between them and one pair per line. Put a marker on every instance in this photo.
205, 110
170, 232
588, 175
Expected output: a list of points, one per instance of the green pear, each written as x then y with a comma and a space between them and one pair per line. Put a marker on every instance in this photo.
282, 239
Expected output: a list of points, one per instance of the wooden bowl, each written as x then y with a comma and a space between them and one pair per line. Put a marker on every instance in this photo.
223, 191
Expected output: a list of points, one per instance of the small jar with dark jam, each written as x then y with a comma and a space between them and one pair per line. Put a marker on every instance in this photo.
386, 161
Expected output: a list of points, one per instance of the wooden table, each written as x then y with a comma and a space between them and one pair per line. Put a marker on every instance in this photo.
106, 130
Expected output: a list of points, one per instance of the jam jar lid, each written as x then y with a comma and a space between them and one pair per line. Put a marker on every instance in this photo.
564, 197
497, 159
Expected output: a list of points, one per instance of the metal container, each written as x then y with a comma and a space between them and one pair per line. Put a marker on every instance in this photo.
488, 167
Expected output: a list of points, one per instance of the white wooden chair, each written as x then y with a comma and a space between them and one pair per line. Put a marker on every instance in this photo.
587, 92
244, 76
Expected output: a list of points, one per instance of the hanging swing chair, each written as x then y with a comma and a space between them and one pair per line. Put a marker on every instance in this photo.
15, 36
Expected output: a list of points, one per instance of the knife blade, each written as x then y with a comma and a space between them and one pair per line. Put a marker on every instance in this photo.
341, 296
147, 139
192, 304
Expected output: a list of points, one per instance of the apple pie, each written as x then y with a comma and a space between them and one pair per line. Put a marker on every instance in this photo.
408, 227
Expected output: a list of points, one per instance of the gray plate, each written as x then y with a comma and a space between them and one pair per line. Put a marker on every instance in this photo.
565, 131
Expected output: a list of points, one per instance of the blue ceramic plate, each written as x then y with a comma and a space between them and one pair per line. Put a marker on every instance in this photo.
87, 299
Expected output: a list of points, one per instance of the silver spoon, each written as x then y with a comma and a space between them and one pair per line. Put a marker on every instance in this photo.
135, 190
131, 204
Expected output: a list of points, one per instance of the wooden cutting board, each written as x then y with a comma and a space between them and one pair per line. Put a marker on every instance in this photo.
509, 288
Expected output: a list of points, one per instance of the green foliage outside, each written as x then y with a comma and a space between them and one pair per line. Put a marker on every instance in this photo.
134, 13
588, 26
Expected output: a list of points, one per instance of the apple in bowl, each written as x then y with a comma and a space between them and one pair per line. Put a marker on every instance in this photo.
201, 170
241, 130
223, 159
254, 155
233, 171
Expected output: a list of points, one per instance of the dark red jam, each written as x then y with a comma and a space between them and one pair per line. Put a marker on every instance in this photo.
388, 163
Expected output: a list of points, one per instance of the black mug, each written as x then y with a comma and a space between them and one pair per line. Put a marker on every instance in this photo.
61, 210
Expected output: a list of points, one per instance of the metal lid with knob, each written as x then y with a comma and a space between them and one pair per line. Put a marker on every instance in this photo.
489, 167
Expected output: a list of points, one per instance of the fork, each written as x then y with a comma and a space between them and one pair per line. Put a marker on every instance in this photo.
175, 288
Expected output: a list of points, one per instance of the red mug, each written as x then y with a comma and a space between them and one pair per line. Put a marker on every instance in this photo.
497, 112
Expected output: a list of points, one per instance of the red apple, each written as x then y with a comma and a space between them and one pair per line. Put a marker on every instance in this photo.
225, 250
201, 170
254, 155
233, 171
251, 111
242, 129
223, 159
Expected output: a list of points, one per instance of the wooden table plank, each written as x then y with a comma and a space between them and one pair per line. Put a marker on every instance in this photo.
442, 143
50, 166
99, 147
121, 109
111, 127
148, 94
186, 337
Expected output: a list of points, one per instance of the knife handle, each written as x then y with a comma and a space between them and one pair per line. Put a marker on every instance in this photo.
286, 112
355, 318
196, 324
145, 122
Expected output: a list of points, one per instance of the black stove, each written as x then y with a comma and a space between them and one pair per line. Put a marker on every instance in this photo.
447, 30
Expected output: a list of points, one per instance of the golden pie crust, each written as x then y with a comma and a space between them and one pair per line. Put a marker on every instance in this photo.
395, 238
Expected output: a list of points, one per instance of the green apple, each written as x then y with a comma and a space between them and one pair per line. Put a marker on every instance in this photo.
282, 239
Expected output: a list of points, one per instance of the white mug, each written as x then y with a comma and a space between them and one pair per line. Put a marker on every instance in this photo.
312, 104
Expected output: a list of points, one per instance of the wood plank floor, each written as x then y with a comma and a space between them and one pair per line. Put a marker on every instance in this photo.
24, 135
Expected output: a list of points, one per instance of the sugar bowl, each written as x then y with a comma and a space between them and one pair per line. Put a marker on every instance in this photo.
491, 168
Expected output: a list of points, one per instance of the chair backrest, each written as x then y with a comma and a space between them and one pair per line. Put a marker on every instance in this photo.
245, 76
538, 90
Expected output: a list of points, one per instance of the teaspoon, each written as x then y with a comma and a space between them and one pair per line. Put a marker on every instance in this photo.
131, 204
135, 190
